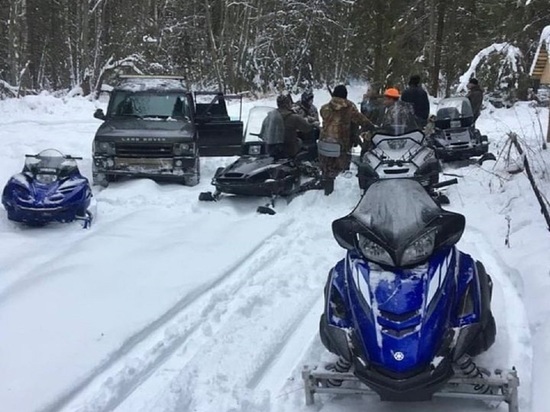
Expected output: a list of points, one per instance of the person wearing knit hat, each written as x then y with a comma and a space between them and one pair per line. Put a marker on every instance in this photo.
339, 117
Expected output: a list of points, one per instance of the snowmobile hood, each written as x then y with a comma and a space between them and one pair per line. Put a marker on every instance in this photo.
401, 316
248, 166
122, 129
394, 213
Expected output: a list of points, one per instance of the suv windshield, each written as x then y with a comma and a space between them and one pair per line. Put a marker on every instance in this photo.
148, 104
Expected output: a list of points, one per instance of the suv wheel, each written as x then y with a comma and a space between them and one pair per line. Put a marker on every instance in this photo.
100, 179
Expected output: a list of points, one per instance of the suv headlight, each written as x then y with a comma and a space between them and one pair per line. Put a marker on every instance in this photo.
181, 148
420, 249
106, 148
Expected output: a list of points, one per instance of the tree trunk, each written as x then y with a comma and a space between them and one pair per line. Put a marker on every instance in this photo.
548, 131
438, 47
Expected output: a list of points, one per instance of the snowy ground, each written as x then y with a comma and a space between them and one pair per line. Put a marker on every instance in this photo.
166, 304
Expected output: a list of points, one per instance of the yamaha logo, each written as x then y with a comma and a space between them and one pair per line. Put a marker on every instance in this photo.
143, 139
398, 356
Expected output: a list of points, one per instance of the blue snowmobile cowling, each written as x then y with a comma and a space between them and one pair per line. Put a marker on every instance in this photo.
405, 309
49, 189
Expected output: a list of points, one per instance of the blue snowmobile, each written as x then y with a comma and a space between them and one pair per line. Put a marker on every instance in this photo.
49, 189
405, 310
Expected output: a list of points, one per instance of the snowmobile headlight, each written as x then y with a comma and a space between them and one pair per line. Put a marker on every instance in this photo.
420, 249
107, 148
373, 251
46, 178
254, 150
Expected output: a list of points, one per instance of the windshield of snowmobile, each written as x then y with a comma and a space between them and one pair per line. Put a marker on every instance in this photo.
264, 124
51, 162
397, 147
150, 105
396, 208
454, 108
399, 119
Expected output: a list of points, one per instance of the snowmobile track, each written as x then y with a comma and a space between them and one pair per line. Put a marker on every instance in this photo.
126, 368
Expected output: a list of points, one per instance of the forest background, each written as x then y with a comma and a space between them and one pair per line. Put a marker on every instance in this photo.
261, 46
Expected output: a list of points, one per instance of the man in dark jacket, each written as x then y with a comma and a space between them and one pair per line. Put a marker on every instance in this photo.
418, 97
475, 95
371, 106
293, 123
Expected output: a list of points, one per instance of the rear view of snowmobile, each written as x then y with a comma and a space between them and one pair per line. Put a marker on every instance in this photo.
49, 189
398, 150
405, 310
455, 136
261, 171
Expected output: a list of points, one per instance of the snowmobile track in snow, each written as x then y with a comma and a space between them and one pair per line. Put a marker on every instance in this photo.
126, 368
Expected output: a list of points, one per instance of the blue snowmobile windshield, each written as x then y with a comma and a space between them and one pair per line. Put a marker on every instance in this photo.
396, 210
454, 108
49, 162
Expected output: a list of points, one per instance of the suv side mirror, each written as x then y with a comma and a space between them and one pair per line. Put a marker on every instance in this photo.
98, 114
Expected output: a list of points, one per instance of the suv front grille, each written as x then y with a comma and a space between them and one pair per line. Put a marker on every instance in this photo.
144, 150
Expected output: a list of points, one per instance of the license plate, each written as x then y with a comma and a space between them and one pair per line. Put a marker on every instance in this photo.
144, 162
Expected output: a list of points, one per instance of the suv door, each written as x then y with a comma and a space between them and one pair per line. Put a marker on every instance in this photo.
218, 135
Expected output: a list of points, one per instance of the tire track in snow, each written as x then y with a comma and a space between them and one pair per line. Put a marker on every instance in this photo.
31, 263
251, 350
520, 350
142, 353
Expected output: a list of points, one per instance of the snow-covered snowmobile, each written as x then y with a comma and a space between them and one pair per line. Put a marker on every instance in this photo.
261, 171
405, 310
49, 189
455, 136
398, 150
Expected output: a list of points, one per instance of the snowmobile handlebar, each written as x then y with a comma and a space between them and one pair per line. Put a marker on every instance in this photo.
445, 183
68, 157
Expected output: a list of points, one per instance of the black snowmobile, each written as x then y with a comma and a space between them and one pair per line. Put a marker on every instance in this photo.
262, 170
455, 136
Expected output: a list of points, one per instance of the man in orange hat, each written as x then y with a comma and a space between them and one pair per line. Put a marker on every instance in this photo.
397, 109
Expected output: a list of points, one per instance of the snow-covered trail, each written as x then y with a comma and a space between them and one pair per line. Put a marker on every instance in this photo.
272, 302
170, 304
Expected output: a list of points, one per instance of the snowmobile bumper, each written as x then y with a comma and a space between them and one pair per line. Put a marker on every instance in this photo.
504, 387
39, 216
461, 152
244, 187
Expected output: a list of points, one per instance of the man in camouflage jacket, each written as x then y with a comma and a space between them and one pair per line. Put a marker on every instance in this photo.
338, 117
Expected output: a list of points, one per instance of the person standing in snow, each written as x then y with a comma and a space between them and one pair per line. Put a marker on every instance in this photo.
371, 106
292, 123
418, 97
475, 95
339, 115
